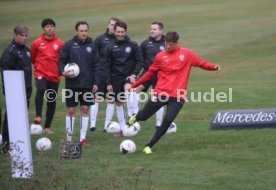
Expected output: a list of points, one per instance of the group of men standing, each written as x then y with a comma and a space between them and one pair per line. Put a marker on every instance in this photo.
104, 68
111, 64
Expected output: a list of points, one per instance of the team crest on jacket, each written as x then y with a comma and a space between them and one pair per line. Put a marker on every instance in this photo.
181, 57
161, 48
128, 49
55, 46
88, 49
28, 54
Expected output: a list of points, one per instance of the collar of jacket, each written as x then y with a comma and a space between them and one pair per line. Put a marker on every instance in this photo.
18, 45
42, 36
161, 39
124, 40
177, 47
88, 40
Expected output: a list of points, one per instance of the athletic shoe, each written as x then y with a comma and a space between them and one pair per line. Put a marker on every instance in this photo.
147, 150
37, 120
132, 120
93, 129
48, 131
84, 142
118, 134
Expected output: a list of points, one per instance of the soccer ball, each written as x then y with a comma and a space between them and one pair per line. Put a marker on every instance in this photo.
137, 126
73, 69
172, 128
36, 129
113, 127
43, 144
130, 131
1, 142
127, 146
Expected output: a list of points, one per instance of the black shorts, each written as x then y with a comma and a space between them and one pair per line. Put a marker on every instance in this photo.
118, 84
74, 96
102, 88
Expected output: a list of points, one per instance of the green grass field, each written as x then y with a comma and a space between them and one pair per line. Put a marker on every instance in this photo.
238, 35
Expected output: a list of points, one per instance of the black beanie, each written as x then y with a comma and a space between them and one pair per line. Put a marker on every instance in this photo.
47, 21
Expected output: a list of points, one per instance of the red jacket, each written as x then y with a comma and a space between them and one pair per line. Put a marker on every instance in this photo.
173, 70
45, 54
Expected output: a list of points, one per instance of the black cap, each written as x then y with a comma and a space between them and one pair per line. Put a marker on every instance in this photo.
47, 21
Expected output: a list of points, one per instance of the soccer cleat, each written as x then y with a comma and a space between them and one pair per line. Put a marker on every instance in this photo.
48, 131
132, 120
37, 120
84, 142
147, 150
119, 134
93, 129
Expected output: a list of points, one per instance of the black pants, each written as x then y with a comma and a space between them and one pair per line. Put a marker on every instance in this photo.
5, 129
51, 89
173, 107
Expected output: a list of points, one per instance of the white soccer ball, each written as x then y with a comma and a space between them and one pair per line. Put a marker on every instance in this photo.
73, 69
130, 131
1, 141
36, 129
43, 144
172, 128
137, 126
127, 146
113, 127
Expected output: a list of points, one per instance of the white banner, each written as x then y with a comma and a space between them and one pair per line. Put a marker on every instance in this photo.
18, 122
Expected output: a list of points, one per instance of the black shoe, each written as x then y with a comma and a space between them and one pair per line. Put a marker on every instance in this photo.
104, 131
93, 129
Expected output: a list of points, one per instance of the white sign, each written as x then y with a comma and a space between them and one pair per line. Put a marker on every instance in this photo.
18, 122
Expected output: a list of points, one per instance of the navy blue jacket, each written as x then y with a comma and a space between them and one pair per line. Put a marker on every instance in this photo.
100, 44
150, 47
84, 55
17, 57
123, 58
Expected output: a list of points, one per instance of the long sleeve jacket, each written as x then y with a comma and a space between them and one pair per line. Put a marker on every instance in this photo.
123, 58
173, 70
45, 54
150, 47
100, 44
17, 57
84, 55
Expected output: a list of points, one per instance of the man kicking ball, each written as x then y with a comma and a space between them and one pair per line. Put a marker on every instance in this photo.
172, 68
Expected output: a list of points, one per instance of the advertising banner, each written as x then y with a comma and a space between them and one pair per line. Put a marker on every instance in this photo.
244, 119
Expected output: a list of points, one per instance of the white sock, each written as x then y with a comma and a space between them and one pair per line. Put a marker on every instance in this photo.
84, 126
159, 116
136, 101
129, 102
93, 114
121, 116
69, 125
109, 114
